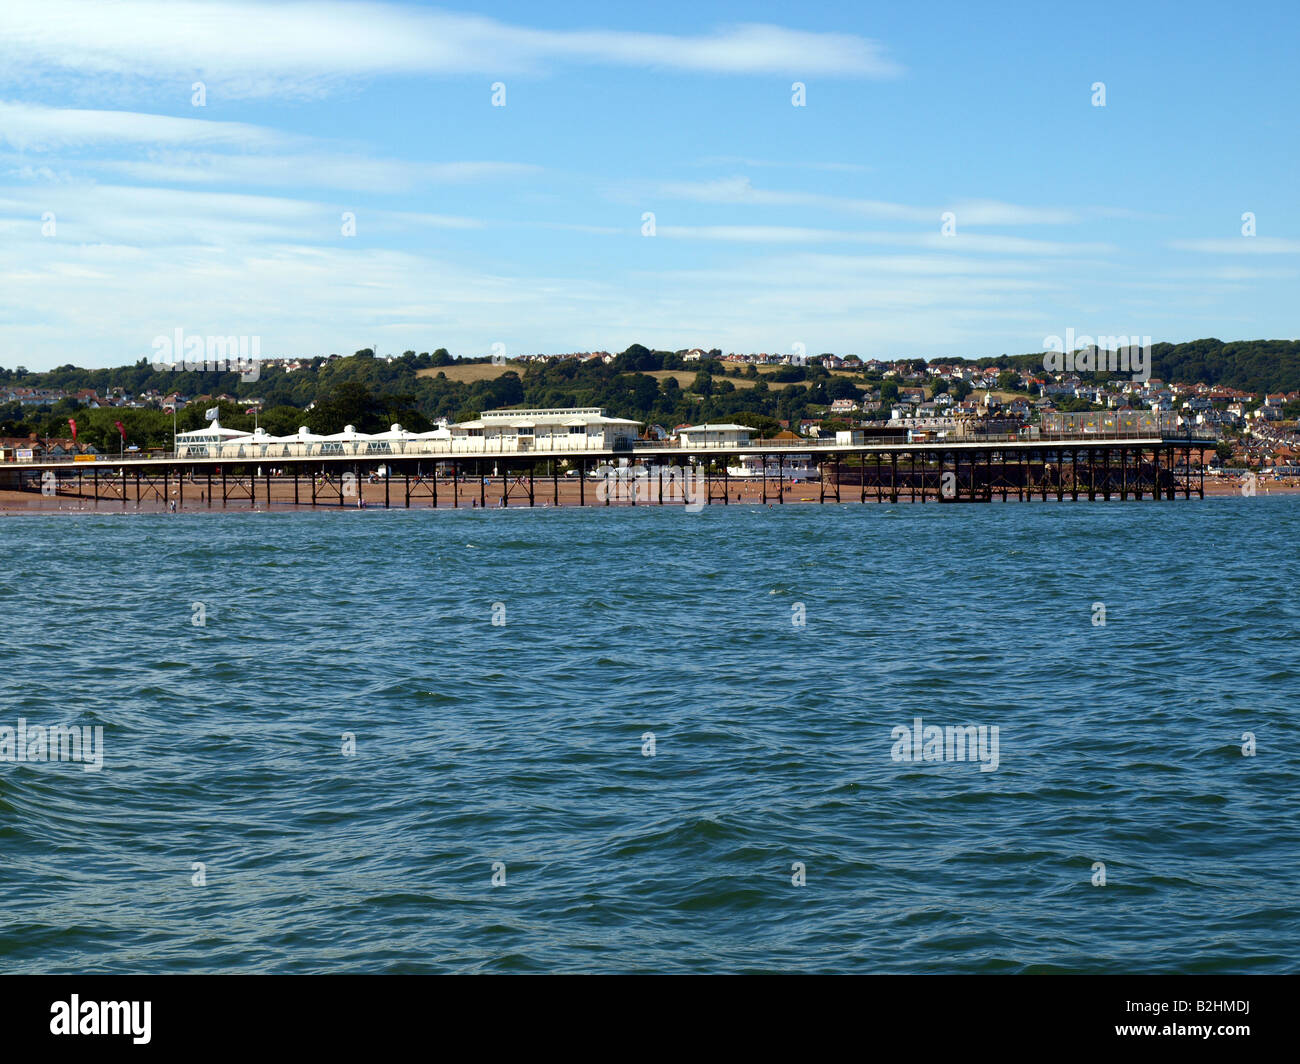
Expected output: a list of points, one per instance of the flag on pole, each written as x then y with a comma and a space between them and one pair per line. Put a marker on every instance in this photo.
169, 408
73, 423
251, 410
121, 429
213, 413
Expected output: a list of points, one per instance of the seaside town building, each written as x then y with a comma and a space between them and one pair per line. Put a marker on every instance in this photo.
496, 431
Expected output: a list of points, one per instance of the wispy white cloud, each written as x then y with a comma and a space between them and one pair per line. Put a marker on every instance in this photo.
259, 48
35, 127
188, 151
166, 219
1241, 245
1231, 273
788, 164
740, 191
310, 171
965, 242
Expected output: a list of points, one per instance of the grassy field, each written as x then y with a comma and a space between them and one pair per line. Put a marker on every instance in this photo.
474, 371
486, 371
686, 377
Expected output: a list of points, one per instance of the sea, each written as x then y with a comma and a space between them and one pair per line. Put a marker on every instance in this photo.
651, 740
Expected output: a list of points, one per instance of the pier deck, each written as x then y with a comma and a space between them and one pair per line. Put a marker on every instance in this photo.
972, 469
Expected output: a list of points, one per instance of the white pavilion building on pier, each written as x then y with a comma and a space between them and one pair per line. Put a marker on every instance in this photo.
493, 432
583, 428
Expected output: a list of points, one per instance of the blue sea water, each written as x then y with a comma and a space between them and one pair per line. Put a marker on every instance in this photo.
521, 745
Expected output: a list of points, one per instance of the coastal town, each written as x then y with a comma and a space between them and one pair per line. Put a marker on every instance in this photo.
1250, 430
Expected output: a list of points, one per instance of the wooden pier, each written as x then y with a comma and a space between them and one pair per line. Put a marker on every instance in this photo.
954, 471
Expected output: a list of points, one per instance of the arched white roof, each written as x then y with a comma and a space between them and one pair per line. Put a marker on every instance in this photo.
348, 435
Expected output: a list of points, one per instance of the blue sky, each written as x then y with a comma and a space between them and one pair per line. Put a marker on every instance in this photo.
127, 212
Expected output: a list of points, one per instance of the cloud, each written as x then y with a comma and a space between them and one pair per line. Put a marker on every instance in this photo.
741, 191
178, 221
175, 152
311, 171
1241, 245
964, 242
33, 127
254, 49
799, 164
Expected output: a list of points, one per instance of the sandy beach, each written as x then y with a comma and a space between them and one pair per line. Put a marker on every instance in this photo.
468, 494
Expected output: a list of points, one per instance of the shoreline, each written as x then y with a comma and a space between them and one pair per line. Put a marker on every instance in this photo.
17, 503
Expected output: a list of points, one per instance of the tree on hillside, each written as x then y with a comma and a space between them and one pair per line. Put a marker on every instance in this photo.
842, 388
